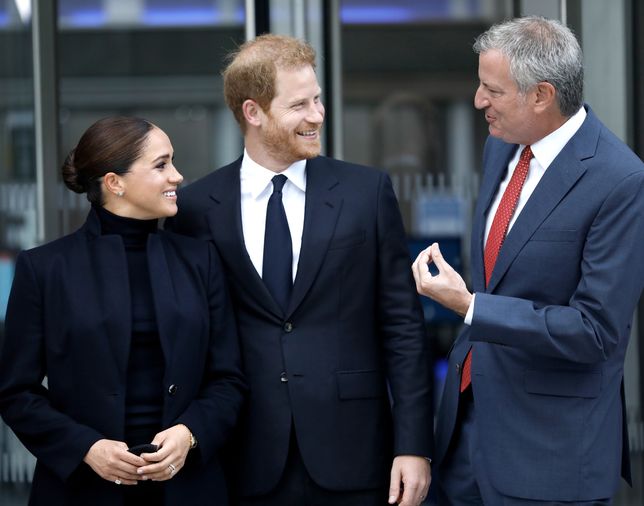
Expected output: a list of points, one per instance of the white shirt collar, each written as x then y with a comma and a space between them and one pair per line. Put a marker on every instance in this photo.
546, 150
255, 179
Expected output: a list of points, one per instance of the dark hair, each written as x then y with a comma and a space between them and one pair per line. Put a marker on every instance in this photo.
111, 144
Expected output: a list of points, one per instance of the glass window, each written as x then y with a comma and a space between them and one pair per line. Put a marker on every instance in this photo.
17, 201
158, 59
409, 76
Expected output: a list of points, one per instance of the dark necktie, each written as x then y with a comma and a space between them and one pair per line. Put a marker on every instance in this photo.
277, 270
496, 236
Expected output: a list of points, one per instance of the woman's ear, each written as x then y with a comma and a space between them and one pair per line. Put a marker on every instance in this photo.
113, 184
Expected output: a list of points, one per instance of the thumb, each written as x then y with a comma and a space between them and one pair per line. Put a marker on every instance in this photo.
394, 485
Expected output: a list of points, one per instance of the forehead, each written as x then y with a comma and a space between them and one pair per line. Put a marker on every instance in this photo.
300, 81
157, 143
494, 66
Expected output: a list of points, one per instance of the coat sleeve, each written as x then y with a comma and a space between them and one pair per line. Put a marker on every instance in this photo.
53, 437
599, 312
402, 329
213, 413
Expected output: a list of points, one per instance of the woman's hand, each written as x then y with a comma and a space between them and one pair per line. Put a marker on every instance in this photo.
112, 462
174, 444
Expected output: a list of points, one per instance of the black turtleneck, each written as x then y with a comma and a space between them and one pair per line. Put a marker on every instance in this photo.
144, 396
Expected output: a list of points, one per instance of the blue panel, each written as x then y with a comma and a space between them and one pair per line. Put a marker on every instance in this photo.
92, 13
6, 278
179, 17
405, 11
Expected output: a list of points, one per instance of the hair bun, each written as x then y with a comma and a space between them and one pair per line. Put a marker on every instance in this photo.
70, 174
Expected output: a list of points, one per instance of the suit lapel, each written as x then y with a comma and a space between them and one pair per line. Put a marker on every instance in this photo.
321, 213
165, 299
225, 223
106, 260
559, 178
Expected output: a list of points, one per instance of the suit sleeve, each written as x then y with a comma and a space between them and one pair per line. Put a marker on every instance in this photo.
54, 438
402, 329
212, 415
588, 329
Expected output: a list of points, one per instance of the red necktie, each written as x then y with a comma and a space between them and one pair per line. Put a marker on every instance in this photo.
496, 236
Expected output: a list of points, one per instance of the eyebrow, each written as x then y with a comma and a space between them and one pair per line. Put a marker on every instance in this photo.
161, 157
302, 98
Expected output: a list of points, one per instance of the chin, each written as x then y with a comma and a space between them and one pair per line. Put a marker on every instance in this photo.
169, 212
312, 152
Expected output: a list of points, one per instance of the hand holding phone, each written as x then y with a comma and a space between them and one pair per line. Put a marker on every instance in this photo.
144, 448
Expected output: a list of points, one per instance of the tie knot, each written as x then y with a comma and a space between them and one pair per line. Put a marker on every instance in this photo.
526, 154
278, 183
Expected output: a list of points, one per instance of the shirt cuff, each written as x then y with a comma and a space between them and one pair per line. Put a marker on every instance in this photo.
470, 311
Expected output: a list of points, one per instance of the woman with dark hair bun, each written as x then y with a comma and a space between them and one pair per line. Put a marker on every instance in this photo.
132, 328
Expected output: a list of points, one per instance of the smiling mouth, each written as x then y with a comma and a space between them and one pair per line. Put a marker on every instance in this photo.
308, 134
170, 194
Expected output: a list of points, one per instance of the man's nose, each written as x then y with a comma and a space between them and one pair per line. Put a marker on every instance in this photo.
480, 99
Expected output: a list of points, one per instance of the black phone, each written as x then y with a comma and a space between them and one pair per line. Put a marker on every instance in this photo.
144, 448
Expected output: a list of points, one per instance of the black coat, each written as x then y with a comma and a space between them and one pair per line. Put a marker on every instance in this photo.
69, 319
353, 329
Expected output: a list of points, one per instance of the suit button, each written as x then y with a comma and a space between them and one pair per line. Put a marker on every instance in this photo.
288, 327
458, 368
283, 378
172, 389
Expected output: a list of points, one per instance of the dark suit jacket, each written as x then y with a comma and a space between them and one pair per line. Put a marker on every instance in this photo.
354, 326
549, 333
69, 319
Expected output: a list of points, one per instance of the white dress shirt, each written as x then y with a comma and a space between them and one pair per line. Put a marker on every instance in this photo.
545, 151
256, 189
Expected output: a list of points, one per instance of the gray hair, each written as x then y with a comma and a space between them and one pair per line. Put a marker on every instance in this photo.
538, 50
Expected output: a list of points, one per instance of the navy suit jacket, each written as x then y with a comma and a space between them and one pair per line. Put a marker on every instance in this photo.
550, 332
353, 328
69, 319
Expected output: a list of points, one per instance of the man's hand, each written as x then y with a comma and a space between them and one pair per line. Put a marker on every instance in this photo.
415, 475
447, 287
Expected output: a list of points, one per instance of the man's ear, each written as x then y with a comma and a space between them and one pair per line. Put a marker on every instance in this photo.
252, 112
544, 95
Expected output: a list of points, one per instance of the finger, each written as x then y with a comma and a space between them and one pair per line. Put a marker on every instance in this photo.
165, 474
394, 485
411, 495
132, 459
426, 256
420, 268
127, 473
151, 458
157, 468
117, 479
440, 262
